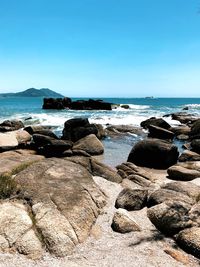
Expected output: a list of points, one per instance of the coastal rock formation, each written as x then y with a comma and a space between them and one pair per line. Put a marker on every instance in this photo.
159, 122
118, 130
154, 153
40, 130
90, 144
14, 161
13, 125
160, 133
189, 240
60, 204
14, 139
195, 144
184, 171
179, 130
123, 223
131, 199
77, 128
67, 103
195, 130
184, 117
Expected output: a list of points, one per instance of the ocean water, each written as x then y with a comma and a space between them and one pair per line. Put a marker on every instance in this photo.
140, 109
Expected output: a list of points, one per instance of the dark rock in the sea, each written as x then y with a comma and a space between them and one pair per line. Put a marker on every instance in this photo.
179, 130
40, 130
156, 122
53, 103
77, 128
162, 195
13, 125
180, 173
195, 144
188, 155
195, 130
63, 103
186, 108
125, 106
184, 117
170, 217
49, 146
123, 223
189, 240
90, 144
131, 199
161, 133
154, 153
187, 188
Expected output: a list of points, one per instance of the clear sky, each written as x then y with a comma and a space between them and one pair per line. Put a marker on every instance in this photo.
101, 48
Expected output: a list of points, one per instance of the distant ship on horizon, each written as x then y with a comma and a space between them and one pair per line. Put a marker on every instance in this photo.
149, 97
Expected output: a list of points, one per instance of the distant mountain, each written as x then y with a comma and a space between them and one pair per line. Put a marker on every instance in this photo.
32, 92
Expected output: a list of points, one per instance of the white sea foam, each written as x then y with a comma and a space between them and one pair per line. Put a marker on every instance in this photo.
133, 106
193, 106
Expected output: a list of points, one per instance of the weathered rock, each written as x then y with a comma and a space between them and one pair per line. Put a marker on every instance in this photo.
22, 137
64, 199
170, 217
195, 144
188, 155
184, 117
128, 169
12, 125
123, 223
53, 103
159, 122
195, 130
125, 106
158, 132
162, 195
16, 230
40, 130
139, 180
189, 240
131, 199
49, 146
179, 130
77, 128
187, 188
100, 169
181, 173
8, 141
13, 160
89, 144
154, 153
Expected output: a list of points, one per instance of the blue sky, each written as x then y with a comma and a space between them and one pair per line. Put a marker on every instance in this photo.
101, 48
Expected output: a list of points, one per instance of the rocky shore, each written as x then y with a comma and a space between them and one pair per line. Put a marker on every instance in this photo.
61, 206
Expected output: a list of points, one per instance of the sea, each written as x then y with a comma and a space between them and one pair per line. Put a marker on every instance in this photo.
29, 110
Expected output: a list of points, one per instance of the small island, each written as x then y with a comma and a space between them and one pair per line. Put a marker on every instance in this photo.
33, 92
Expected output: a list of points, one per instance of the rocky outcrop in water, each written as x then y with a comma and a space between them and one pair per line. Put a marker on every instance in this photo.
67, 103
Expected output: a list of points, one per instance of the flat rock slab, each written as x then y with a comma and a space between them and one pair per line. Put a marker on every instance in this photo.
64, 202
11, 160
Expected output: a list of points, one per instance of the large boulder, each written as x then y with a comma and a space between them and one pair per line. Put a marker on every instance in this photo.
63, 201
195, 144
7, 126
162, 195
189, 189
8, 141
16, 230
14, 161
154, 153
90, 144
189, 240
159, 122
77, 128
188, 155
40, 130
53, 103
170, 217
131, 199
195, 130
49, 146
161, 133
180, 173
184, 117
123, 223
180, 130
